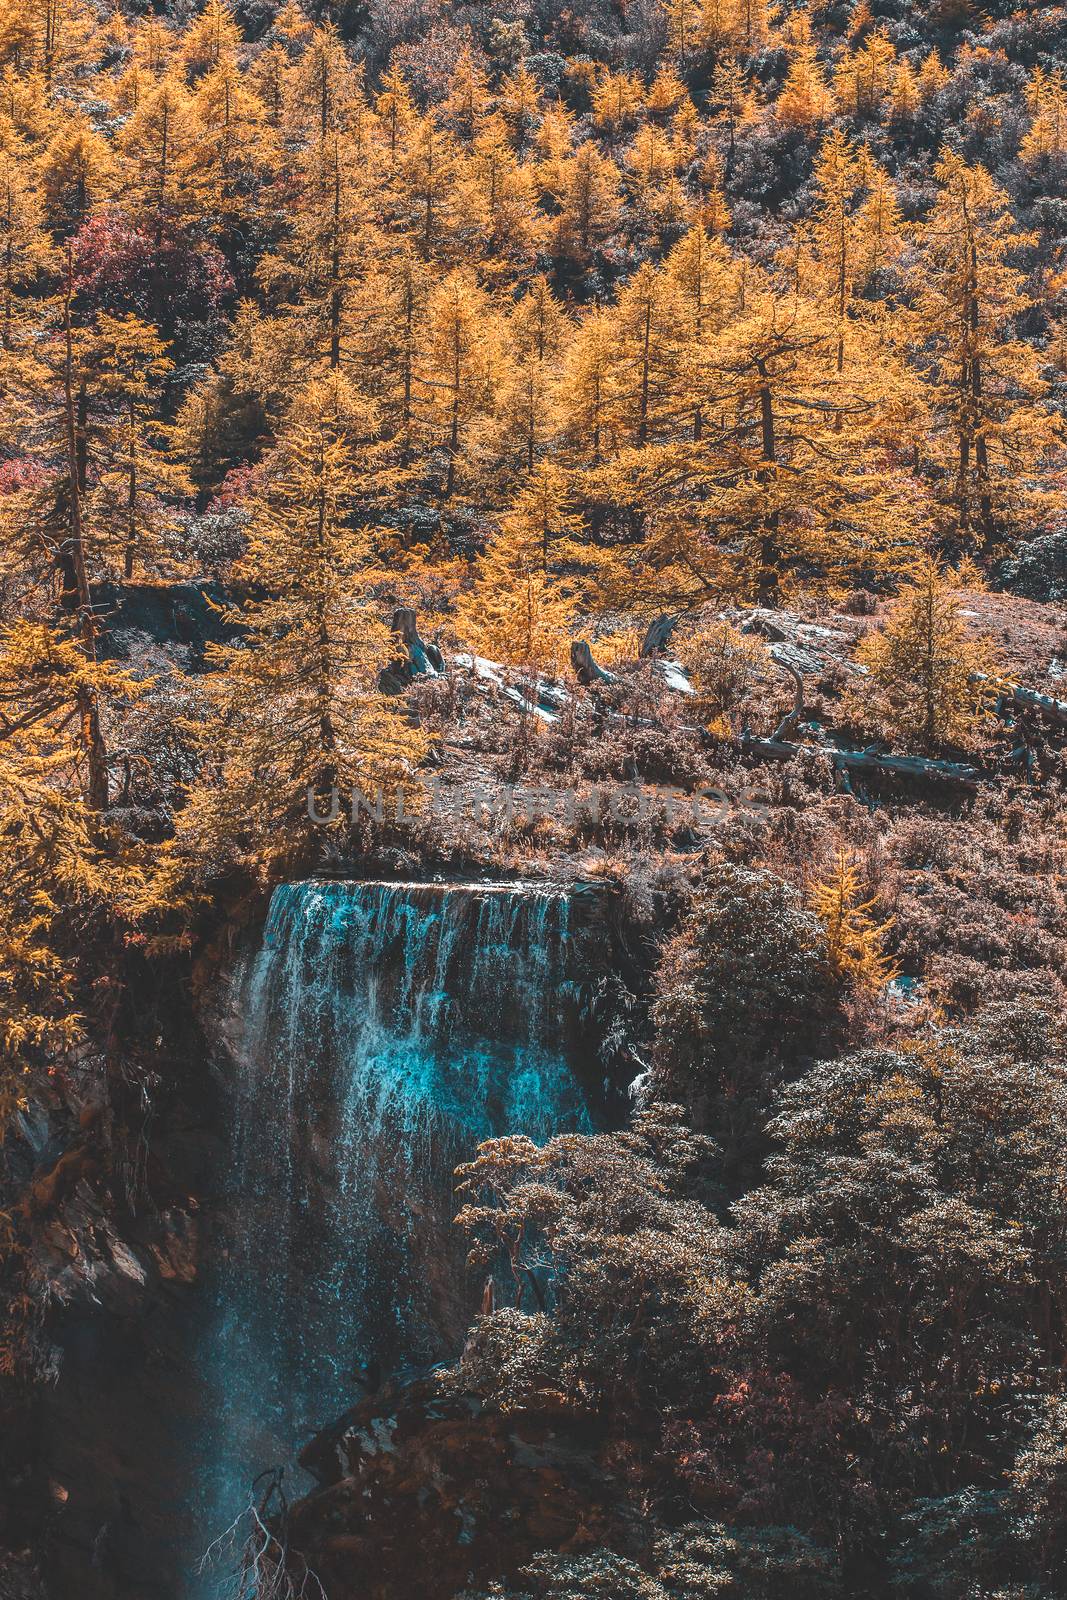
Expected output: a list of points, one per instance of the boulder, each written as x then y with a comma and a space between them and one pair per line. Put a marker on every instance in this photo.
425, 1493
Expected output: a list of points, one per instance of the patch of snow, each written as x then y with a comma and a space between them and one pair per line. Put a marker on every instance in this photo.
674, 676
486, 671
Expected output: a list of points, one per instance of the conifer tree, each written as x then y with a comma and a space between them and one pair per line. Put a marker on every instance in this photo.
77, 172
925, 683
618, 100
992, 431
668, 97
541, 524
134, 479
54, 39
296, 702
526, 412
805, 98
734, 105
24, 246
456, 383
520, 105
684, 19
789, 477
588, 200
236, 151
387, 343
647, 379
468, 101
52, 862
517, 612
51, 388
325, 90
906, 98
864, 79
1046, 138
93, 400
555, 146
932, 77
650, 159
585, 390
879, 226
424, 182
854, 232
157, 148
395, 110
705, 281
855, 941
750, 24
211, 41
325, 253
718, 24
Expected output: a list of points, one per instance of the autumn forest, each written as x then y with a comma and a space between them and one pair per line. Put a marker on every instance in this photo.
643, 423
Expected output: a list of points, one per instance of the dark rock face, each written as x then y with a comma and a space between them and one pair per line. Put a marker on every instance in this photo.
178, 621
19, 1579
97, 1457
424, 1495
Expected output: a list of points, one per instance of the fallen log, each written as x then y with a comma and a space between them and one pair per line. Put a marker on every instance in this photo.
866, 763
1015, 695
544, 700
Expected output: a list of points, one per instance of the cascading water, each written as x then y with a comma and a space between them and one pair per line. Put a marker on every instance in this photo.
381, 1031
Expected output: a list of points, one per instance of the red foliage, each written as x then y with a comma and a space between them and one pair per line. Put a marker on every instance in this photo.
764, 1445
158, 270
235, 488
22, 473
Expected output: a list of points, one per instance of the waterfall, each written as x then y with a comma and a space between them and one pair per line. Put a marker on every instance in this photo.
380, 1032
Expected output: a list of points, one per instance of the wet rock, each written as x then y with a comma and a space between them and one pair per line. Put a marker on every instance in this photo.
19, 1578
423, 1494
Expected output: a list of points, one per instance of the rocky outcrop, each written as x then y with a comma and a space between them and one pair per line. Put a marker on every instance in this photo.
19, 1578
106, 1173
424, 1494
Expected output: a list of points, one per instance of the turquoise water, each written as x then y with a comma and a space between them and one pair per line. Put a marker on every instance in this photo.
380, 1032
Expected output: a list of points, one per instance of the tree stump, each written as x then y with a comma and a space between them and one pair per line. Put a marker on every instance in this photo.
658, 636
585, 667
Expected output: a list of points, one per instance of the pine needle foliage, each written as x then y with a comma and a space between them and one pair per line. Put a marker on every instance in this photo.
927, 673
855, 940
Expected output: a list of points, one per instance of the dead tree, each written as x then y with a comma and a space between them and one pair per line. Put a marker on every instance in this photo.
789, 722
425, 660
420, 660
585, 667
658, 636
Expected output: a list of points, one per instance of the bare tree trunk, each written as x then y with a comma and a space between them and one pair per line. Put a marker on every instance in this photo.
767, 583
88, 704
